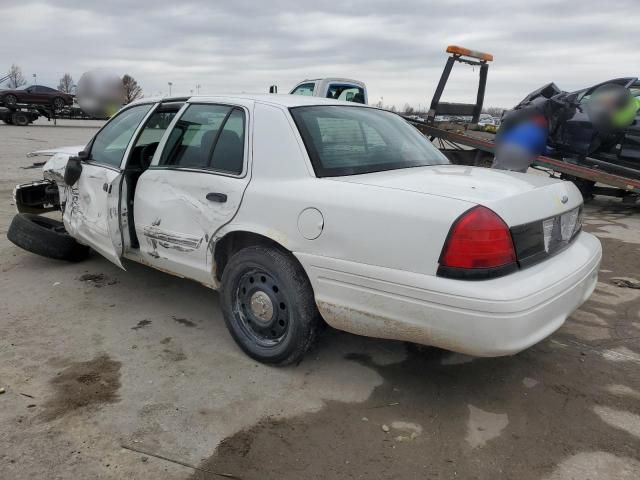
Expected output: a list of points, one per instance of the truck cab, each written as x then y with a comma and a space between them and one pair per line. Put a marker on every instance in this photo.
336, 88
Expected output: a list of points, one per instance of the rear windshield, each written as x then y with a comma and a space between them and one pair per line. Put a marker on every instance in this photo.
349, 140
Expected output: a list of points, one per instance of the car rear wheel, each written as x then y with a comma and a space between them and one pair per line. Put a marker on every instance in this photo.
10, 100
268, 305
58, 103
45, 236
20, 119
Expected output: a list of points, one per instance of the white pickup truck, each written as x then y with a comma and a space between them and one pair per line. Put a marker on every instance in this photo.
345, 89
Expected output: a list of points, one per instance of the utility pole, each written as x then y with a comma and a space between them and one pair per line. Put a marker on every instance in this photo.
35, 79
198, 89
170, 85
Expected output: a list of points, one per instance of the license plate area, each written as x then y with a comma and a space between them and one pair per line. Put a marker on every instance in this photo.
538, 240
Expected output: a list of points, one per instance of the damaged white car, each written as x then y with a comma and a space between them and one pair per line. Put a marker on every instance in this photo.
300, 209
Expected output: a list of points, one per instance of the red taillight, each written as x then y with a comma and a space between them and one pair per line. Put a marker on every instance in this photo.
479, 239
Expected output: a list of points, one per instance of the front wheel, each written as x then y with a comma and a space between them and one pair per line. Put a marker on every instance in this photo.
20, 118
268, 305
45, 236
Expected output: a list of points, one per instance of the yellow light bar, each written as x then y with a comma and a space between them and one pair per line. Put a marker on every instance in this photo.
487, 57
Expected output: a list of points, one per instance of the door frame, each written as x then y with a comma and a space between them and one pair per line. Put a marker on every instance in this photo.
204, 275
113, 204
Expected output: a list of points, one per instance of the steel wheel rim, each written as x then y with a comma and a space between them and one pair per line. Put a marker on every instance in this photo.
261, 308
58, 103
11, 100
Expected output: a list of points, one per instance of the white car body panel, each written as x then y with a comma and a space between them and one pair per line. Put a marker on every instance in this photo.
91, 213
72, 150
518, 198
369, 243
494, 317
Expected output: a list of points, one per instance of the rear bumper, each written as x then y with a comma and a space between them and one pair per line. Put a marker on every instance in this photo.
495, 317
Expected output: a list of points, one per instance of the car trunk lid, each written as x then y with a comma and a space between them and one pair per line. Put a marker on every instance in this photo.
518, 198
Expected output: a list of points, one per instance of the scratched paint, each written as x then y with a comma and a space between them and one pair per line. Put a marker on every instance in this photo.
183, 243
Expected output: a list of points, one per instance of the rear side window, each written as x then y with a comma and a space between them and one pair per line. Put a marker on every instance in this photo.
228, 154
350, 140
305, 89
207, 137
347, 93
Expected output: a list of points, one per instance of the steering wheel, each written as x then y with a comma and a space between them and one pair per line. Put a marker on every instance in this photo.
146, 154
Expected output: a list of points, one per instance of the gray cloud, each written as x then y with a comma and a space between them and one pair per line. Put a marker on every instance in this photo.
397, 48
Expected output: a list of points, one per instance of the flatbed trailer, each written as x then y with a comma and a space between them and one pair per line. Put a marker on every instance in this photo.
23, 114
20, 115
471, 149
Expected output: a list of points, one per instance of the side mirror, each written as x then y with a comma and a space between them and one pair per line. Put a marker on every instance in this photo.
273, 89
73, 170
83, 155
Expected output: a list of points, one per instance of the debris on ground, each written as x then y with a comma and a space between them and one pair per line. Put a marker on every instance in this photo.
626, 282
97, 279
385, 428
34, 165
1, 391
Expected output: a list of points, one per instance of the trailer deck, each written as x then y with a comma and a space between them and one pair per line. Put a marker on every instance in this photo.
473, 150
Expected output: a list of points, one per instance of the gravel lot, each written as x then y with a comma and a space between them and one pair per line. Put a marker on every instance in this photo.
113, 374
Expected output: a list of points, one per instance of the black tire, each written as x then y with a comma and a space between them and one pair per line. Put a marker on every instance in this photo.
45, 236
285, 335
58, 103
7, 120
10, 100
20, 119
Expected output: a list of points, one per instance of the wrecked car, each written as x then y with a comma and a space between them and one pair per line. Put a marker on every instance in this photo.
575, 135
299, 209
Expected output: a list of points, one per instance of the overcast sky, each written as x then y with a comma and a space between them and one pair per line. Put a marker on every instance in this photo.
397, 48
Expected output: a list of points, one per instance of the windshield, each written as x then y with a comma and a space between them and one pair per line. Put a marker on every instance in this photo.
346, 140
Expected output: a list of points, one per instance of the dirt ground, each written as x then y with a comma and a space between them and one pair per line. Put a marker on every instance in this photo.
114, 374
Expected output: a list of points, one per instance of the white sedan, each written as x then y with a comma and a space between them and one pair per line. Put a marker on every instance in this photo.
300, 209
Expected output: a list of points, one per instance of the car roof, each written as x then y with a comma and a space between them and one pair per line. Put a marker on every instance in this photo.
283, 100
333, 79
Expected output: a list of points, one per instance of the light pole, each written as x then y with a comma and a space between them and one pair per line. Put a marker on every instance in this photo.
35, 79
170, 85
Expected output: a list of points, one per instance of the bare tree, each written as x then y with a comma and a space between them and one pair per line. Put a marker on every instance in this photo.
66, 83
16, 79
408, 109
494, 111
132, 90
